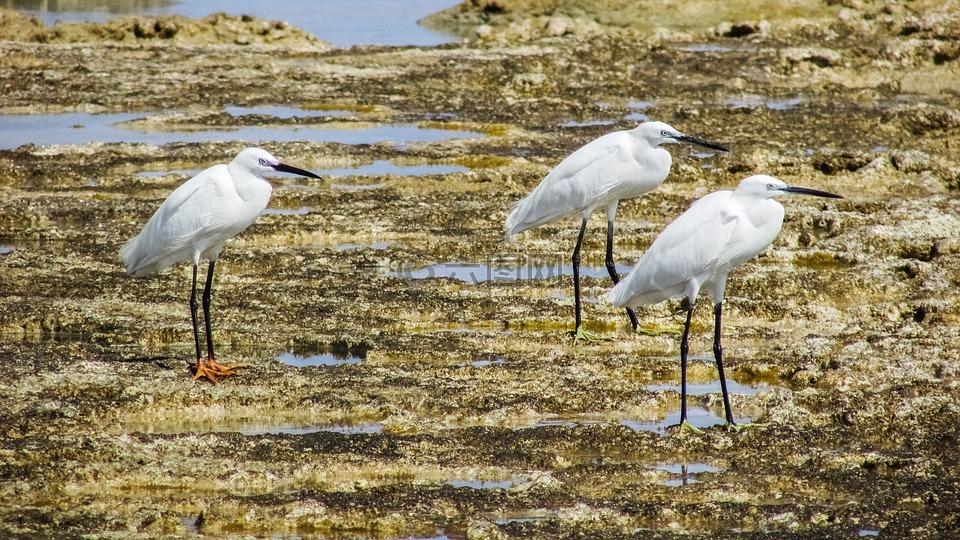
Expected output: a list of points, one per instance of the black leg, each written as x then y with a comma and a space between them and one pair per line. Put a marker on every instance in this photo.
206, 309
193, 312
576, 274
684, 349
718, 354
612, 270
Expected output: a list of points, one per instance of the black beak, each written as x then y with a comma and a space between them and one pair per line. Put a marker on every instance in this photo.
700, 142
808, 191
283, 167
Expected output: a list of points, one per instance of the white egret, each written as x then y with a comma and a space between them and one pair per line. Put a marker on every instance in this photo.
716, 234
616, 166
195, 222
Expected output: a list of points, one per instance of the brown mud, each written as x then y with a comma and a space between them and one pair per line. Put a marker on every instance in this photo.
470, 413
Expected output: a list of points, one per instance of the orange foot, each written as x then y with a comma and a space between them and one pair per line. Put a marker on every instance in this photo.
211, 369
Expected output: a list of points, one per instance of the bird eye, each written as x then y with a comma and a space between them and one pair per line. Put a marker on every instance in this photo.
663, 133
770, 187
263, 162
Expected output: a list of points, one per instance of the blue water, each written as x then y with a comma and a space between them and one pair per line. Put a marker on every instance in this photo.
343, 23
82, 128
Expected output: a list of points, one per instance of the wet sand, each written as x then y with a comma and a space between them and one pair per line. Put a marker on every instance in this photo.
462, 407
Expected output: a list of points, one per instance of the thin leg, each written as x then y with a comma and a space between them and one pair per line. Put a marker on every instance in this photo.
207, 292
684, 349
193, 313
612, 270
576, 273
208, 367
718, 354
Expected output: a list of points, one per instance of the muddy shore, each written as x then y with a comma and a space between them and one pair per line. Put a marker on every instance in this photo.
460, 406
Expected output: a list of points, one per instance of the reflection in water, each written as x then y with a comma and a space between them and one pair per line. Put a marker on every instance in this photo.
700, 417
326, 359
684, 473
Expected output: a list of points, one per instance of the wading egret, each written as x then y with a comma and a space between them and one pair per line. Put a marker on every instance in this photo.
716, 234
194, 223
616, 166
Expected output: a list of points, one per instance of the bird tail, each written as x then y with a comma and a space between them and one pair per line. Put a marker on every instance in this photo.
128, 254
619, 295
514, 223
526, 216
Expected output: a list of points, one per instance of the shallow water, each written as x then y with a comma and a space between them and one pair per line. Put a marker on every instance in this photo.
343, 23
259, 427
713, 387
326, 359
684, 473
696, 416
700, 417
301, 211
484, 484
82, 128
479, 272
283, 111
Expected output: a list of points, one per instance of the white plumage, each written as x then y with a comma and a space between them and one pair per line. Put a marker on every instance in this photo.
195, 222
616, 166
696, 252
198, 218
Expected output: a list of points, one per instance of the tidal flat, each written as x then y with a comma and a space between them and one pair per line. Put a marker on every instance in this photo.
446, 398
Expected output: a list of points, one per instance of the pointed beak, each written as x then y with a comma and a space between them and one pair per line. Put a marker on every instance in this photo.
283, 167
808, 191
699, 142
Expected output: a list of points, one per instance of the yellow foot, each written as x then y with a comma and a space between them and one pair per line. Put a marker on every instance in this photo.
736, 428
211, 369
687, 426
584, 335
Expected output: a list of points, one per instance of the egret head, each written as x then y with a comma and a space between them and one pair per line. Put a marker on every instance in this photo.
657, 133
259, 161
762, 186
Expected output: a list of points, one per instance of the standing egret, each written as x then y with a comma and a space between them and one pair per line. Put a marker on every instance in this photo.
194, 223
616, 166
718, 233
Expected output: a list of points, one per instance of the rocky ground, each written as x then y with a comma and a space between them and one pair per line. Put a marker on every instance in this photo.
470, 413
